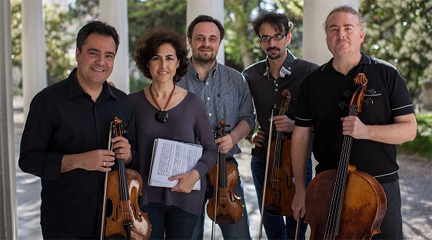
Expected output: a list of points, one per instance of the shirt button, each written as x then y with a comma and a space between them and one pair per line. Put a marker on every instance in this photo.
277, 85
276, 90
207, 83
208, 98
210, 114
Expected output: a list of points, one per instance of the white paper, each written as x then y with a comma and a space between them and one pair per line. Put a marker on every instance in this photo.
171, 158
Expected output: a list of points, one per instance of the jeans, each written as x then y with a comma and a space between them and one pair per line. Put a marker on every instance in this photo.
238, 230
169, 222
391, 226
275, 226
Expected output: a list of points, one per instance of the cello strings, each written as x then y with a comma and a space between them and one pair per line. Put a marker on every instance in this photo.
333, 220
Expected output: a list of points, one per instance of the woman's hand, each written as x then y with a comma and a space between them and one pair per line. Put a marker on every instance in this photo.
186, 181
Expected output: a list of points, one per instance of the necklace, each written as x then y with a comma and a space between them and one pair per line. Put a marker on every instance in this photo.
162, 116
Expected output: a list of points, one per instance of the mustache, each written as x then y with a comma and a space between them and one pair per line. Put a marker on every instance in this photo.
205, 48
273, 48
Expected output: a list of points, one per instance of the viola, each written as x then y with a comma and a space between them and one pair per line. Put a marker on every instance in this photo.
122, 217
280, 189
225, 206
346, 203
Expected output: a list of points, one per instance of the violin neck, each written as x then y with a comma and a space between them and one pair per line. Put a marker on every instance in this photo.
123, 185
222, 171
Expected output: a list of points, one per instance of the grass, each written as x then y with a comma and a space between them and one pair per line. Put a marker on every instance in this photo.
422, 144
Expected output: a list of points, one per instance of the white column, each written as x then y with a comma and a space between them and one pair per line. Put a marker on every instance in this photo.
8, 201
114, 12
214, 8
33, 50
314, 38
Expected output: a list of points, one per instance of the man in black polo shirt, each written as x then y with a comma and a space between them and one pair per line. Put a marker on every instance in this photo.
387, 121
267, 79
65, 139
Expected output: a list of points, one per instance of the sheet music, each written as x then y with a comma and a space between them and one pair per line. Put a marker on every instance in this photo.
170, 158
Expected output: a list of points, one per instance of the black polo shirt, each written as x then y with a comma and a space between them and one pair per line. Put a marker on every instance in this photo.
266, 90
320, 97
63, 119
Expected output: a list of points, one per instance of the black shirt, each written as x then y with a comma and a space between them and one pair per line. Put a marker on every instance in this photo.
266, 90
63, 119
320, 98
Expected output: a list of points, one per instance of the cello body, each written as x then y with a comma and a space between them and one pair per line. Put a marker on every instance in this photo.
361, 213
346, 203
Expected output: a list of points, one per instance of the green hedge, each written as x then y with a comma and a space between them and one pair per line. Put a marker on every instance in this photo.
422, 144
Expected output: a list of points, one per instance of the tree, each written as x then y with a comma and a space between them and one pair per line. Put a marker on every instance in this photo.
58, 42
399, 32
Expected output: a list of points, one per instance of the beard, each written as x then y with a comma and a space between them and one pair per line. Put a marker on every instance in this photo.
273, 55
204, 58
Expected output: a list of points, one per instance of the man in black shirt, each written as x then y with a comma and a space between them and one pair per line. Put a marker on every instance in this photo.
386, 121
65, 139
267, 79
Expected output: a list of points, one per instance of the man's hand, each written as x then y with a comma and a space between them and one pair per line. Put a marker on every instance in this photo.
259, 138
122, 148
354, 127
283, 123
96, 160
225, 143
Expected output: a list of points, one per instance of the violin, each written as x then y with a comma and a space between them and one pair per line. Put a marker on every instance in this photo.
346, 203
122, 217
279, 188
225, 206
279, 191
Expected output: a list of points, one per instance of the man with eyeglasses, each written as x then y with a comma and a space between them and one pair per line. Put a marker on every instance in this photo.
267, 79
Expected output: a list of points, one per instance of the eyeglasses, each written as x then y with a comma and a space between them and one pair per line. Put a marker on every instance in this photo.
276, 37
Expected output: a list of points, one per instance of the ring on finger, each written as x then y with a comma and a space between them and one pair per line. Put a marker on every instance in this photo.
104, 164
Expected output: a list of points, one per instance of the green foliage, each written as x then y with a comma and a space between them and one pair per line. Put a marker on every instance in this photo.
399, 32
146, 15
58, 41
241, 46
422, 144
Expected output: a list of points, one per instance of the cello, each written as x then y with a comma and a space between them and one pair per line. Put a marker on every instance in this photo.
279, 188
124, 220
225, 206
346, 203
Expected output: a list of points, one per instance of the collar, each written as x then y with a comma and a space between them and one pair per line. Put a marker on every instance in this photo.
286, 67
194, 73
328, 67
75, 89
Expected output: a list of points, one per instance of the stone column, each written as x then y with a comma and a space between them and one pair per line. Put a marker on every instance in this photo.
115, 14
33, 50
314, 15
8, 201
214, 8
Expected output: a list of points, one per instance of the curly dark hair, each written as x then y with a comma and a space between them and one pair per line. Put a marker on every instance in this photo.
149, 43
276, 20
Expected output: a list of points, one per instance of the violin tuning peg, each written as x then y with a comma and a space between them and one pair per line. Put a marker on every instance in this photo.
346, 93
342, 104
368, 101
